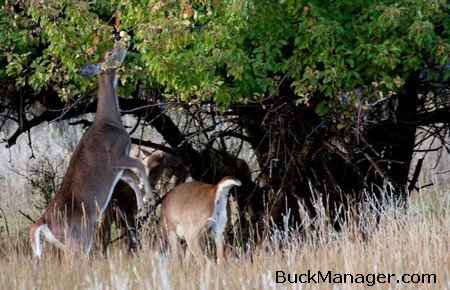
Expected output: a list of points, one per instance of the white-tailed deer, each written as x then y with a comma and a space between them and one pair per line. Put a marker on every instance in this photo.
164, 170
121, 211
99, 161
191, 208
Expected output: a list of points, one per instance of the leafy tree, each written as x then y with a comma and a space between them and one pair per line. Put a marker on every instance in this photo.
329, 94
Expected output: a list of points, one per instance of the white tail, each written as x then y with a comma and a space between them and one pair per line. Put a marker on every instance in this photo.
97, 164
192, 207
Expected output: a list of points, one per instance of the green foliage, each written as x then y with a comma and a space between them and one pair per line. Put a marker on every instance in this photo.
322, 109
228, 51
45, 179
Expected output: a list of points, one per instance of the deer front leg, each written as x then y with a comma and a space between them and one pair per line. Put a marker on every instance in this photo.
127, 162
135, 183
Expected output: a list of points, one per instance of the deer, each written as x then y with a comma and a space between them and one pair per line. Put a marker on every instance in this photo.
167, 169
122, 208
164, 170
159, 166
100, 159
192, 208
121, 211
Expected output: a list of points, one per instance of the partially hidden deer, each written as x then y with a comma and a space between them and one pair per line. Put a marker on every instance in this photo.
98, 162
121, 211
164, 170
191, 208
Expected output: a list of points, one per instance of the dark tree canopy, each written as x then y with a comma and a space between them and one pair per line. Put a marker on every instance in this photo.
330, 95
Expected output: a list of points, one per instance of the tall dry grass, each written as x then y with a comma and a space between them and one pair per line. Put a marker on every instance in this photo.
396, 241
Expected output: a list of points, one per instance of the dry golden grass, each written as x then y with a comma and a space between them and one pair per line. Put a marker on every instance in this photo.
412, 241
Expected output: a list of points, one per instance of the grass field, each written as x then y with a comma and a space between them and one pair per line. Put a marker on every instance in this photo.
414, 242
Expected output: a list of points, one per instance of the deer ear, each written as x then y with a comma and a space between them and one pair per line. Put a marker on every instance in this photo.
89, 70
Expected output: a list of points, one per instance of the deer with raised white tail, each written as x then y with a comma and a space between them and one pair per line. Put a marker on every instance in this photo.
193, 207
98, 162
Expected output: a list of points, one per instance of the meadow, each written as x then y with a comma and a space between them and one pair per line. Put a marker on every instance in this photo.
400, 247
397, 249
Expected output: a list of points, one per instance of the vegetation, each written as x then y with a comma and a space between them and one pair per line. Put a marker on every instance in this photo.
396, 242
333, 98
45, 180
329, 94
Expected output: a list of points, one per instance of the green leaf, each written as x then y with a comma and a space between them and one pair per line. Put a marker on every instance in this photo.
322, 109
341, 126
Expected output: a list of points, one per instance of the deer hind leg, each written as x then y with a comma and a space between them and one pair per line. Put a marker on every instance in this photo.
219, 248
103, 236
166, 240
193, 243
80, 235
174, 243
218, 232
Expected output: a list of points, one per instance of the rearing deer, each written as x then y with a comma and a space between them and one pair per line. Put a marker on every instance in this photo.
99, 161
193, 207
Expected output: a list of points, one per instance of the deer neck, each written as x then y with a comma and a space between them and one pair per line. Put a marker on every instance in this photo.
108, 103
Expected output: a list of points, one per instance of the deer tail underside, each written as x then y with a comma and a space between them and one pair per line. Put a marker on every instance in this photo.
219, 217
35, 239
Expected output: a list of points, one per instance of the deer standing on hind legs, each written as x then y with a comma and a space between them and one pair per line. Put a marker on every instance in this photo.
99, 161
191, 208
